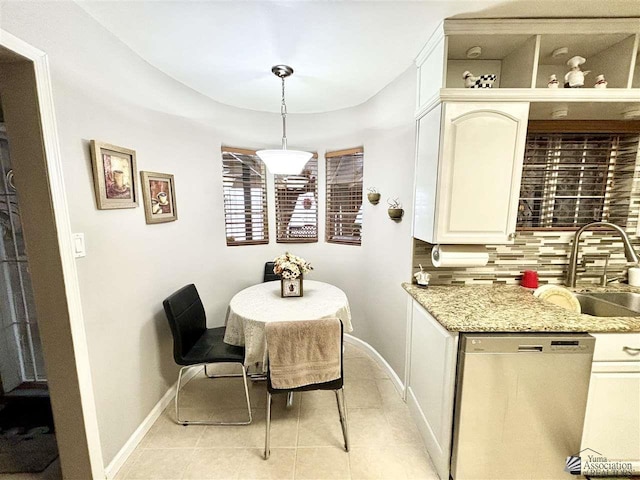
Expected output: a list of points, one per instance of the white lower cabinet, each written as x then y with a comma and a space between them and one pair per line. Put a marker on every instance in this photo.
431, 384
612, 420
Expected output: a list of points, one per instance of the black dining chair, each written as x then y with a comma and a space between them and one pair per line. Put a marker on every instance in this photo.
291, 341
196, 345
269, 276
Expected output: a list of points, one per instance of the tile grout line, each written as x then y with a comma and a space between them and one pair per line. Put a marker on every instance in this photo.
295, 455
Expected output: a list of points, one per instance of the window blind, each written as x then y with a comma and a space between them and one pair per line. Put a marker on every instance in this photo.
245, 197
297, 205
344, 196
570, 179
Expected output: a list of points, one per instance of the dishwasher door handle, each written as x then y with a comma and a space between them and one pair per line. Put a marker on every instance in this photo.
529, 348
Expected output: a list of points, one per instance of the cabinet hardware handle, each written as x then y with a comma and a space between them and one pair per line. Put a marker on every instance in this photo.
631, 350
511, 236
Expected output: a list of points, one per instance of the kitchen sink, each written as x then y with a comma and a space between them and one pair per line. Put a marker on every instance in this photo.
626, 299
623, 304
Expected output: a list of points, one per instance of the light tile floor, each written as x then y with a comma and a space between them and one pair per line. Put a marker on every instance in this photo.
306, 440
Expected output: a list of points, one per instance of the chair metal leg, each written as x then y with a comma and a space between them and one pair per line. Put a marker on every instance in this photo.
342, 410
289, 399
222, 375
177, 397
267, 436
208, 422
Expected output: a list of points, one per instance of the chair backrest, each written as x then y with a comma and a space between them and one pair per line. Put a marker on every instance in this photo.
269, 276
187, 320
305, 354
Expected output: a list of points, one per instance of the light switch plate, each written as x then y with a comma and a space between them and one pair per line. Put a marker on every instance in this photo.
78, 245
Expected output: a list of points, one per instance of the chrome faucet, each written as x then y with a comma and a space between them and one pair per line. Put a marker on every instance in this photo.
629, 252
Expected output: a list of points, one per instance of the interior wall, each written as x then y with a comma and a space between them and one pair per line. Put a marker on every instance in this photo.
372, 274
105, 92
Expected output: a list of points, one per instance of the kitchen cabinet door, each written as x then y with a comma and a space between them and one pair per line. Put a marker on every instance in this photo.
480, 169
424, 208
612, 419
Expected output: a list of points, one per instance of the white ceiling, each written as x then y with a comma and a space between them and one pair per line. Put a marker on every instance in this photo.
343, 53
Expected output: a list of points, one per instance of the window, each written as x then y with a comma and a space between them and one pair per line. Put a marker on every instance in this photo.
297, 205
245, 197
344, 196
570, 179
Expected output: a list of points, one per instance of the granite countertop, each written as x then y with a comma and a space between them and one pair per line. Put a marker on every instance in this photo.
511, 308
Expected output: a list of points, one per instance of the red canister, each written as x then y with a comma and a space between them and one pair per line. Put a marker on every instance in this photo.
529, 279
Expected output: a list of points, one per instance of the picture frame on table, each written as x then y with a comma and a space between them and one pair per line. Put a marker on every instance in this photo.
159, 197
114, 176
291, 287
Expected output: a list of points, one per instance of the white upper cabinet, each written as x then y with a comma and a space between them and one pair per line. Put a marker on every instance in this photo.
471, 141
469, 165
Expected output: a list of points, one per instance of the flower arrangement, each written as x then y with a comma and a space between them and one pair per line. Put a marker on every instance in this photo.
291, 266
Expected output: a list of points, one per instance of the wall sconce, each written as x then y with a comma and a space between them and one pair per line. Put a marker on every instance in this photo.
373, 196
395, 210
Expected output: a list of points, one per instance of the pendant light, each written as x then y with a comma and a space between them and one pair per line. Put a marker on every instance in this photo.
283, 161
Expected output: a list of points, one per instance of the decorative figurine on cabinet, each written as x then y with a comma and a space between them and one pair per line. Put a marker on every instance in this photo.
575, 77
482, 81
600, 82
553, 81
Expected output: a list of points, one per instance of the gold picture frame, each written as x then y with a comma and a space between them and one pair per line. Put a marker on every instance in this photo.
291, 287
159, 197
114, 176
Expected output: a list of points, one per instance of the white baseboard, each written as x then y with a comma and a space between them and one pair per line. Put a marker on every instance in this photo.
395, 379
121, 457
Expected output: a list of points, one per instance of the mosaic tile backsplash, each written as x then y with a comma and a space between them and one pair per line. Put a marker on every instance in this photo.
546, 252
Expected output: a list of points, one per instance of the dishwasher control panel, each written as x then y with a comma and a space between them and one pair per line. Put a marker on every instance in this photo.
568, 346
527, 343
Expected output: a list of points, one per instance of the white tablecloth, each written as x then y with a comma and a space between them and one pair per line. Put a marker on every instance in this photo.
253, 307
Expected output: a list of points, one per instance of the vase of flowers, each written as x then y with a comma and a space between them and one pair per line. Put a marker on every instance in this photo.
291, 269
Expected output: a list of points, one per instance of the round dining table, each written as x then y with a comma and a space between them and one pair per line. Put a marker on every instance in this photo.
252, 308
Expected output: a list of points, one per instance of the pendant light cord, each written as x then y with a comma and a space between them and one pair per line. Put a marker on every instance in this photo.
283, 112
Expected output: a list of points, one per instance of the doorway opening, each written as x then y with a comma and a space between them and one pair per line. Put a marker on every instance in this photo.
27, 433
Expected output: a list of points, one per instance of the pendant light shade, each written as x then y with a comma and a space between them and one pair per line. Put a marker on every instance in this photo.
283, 161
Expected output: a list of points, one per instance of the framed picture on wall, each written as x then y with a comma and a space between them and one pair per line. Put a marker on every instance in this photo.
159, 197
114, 176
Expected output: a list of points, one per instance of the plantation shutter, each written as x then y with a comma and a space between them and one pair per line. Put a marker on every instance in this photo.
297, 205
344, 196
570, 179
245, 197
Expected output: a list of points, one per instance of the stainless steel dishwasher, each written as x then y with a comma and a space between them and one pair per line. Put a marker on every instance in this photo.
520, 404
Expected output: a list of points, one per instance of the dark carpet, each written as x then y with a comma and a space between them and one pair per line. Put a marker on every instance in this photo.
27, 439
